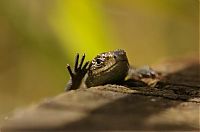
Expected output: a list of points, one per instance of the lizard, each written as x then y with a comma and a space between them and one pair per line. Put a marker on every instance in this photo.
110, 67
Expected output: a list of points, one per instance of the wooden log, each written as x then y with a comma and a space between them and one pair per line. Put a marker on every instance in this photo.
173, 105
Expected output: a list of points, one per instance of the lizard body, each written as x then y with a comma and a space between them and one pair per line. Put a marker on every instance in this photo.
107, 68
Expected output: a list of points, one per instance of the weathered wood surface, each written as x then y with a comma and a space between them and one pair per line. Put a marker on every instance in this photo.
173, 105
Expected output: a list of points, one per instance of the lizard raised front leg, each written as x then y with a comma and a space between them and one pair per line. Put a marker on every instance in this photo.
77, 74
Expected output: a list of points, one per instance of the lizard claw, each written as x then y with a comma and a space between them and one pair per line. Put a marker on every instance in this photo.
69, 70
78, 73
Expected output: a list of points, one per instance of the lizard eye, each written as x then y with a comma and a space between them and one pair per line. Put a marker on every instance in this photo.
99, 61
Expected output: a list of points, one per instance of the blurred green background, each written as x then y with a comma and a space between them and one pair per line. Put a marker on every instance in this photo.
39, 37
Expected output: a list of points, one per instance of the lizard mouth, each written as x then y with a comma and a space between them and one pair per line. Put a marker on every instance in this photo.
107, 68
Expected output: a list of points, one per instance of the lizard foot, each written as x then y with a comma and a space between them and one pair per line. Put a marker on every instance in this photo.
146, 72
146, 75
78, 73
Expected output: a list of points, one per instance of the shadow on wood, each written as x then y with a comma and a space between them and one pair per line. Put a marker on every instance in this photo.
133, 111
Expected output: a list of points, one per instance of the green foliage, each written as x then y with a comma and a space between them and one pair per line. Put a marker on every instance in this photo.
81, 27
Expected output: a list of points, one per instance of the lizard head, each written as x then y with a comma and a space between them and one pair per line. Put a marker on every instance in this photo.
108, 67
